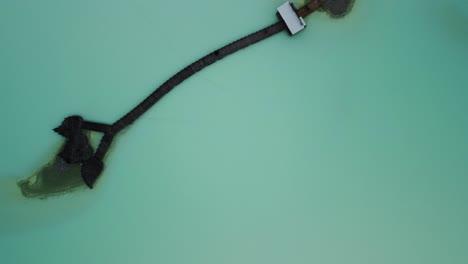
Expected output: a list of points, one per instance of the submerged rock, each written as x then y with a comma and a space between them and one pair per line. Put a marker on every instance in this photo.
54, 178
338, 8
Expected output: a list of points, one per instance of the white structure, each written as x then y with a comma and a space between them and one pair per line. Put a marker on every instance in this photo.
294, 22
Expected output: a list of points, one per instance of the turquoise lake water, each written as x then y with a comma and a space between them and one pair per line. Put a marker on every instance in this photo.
347, 143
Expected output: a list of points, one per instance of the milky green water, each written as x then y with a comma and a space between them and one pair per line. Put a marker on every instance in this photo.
344, 144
